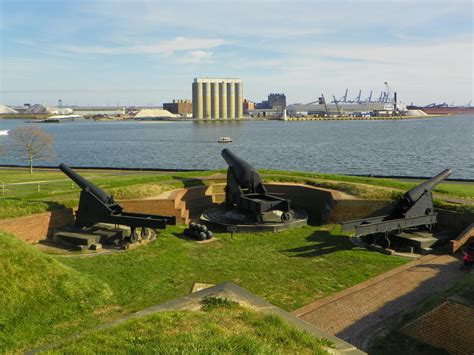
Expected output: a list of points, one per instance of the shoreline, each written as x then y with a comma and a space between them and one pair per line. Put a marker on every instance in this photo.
289, 119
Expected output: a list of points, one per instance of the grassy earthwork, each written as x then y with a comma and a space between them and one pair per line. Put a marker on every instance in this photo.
60, 192
47, 297
223, 329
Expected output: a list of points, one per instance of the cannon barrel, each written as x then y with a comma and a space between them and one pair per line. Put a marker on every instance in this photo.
84, 184
246, 174
415, 193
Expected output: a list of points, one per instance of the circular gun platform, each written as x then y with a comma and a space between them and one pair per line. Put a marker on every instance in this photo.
231, 218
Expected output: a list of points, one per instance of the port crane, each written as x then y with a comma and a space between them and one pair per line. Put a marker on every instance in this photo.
337, 105
369, 99
323, 101
342, 99
357, 100
388, 94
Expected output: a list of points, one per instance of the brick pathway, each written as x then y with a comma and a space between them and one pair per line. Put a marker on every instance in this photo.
360, 312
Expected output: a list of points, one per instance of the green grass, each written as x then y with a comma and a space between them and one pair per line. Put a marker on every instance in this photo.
129, 185
213, 303
290, 269
221, 331
41, 297
447, 188
24, 200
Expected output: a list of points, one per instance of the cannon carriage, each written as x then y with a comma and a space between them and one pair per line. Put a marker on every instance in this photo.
414, 209
245, 191
97, 207
248, 207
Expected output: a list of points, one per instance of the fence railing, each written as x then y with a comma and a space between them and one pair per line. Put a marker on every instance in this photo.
34, 187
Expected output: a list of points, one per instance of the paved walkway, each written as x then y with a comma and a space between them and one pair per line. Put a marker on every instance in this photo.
360, 312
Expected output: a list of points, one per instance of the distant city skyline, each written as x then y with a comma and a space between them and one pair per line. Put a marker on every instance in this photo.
146, 52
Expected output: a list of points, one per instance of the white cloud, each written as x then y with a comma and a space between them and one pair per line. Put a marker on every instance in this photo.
195, 57
166, 47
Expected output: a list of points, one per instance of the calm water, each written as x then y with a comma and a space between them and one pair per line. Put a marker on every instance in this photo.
419, 147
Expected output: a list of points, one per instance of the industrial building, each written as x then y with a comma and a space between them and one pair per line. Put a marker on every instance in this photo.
248, 105
217, 98
179, 107
319, 109
277, 101
271, 108
387, 104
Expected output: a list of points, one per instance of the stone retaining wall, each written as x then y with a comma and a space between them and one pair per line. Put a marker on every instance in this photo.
317, 202
34, 228
454, 220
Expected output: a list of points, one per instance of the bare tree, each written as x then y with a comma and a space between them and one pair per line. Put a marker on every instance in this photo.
32, 144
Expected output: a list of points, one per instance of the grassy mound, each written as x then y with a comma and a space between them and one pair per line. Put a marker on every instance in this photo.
289, 269
47, 297
40, 297
59, 192
228, 330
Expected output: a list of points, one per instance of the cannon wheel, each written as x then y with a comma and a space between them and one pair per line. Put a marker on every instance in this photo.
384, 242
287, 216
145, 233
368, 239
133, 235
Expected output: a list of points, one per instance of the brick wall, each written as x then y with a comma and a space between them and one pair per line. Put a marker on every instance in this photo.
449, 326
36, 227
154, 206
347, 210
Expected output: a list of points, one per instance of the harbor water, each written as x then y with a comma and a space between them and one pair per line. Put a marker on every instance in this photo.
412, 147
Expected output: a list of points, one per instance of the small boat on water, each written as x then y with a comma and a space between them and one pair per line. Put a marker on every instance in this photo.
224, 140
4, 132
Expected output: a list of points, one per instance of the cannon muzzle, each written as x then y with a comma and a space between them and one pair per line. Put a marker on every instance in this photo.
85, 184
415, 193
245, 174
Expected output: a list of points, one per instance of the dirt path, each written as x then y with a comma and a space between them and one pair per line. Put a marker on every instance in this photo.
360, 312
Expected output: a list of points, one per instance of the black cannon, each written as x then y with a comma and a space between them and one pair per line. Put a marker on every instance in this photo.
245, 191
96, 206
413, 209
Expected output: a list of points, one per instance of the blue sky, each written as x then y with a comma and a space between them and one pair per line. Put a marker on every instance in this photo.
147, 52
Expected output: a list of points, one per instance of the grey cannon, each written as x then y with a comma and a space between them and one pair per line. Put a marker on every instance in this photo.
413, 209
245, 191
96, 206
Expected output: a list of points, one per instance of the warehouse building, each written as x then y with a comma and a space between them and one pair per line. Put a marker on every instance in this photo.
179, 107
218, 98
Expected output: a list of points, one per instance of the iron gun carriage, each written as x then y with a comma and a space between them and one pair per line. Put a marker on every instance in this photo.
96, 206
246, 191
413, 209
